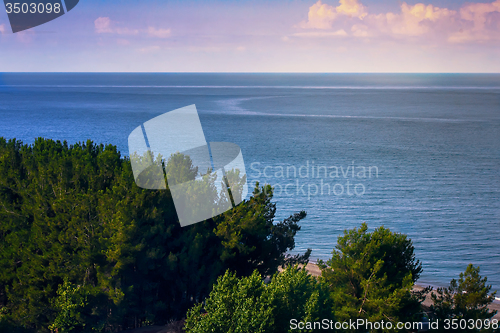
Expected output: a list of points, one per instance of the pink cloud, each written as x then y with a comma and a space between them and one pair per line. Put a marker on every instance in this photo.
360, 30
415, 20
103, 25
2, 29
351, 8
160, 33
481, 22
480, 13
477, 22
321, 16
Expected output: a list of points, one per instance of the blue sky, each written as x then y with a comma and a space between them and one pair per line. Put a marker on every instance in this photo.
261, 36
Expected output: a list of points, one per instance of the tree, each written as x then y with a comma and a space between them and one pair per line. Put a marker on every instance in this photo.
466, 300
248, 305
250, 234
74, 213
71, 303
371, 276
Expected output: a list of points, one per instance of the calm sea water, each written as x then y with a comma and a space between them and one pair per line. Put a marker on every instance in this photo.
425, 149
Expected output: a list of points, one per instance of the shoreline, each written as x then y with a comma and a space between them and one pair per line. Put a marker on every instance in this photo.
313, 269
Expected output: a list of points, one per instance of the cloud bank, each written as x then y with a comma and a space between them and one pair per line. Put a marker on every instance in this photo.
472, 23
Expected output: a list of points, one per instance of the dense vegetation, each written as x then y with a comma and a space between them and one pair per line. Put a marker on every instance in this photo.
82, 248
249, 305
369, 279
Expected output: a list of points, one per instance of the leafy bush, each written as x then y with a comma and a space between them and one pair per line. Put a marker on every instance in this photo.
241, 305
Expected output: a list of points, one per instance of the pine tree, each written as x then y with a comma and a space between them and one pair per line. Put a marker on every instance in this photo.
466, 301
371, 275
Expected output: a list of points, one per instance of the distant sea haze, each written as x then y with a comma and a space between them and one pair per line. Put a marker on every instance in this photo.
433, 140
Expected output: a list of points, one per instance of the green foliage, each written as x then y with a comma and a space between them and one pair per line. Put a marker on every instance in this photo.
237, 182
371, 276
249, 233
465, 299
6, 325
179, 169
69, 304
75, 214
241, 305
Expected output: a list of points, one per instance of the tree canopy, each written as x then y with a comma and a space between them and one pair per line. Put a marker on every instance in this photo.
82, 245
371, 275
248, 305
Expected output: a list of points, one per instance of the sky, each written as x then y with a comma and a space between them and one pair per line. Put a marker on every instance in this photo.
444, 36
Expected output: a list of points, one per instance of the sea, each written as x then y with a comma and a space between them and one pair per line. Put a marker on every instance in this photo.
416, 153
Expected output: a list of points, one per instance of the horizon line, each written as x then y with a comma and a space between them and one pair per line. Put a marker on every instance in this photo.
229, 72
